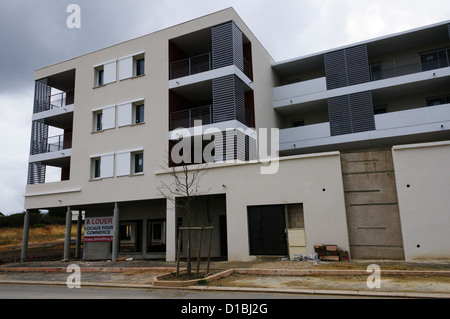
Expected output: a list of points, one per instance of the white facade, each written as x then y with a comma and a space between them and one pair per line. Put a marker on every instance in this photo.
127, 113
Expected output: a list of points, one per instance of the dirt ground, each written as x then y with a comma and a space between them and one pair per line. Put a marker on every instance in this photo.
50, 254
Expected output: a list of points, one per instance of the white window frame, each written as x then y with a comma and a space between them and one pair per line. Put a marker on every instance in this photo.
109, 73
106, 166
125, 162
108, 118
128, 66
126, 112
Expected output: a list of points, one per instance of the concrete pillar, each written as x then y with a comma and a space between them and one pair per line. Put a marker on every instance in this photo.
26, 231
79, 224
171, 231
68, 233
116, 239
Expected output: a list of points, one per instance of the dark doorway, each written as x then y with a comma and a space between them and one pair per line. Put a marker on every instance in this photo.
156, 235
223, 236
267, 230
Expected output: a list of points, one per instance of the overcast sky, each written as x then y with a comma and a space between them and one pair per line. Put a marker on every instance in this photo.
34, 34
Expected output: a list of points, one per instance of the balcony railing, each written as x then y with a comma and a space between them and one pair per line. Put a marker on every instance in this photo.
187, 118
413, 64
60, 100
190, 66
198, 64
52, 144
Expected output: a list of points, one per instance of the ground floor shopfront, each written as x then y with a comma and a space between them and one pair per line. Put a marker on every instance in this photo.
387, 204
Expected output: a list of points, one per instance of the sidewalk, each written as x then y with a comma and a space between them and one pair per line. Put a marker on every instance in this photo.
398, 279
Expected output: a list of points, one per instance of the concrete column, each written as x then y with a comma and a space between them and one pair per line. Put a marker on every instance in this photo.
116, 239
79, 224
26, 230
171, 231
68, 233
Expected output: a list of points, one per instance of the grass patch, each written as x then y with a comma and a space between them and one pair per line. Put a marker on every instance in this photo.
13, 236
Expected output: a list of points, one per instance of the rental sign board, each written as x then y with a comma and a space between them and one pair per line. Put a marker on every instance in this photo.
98, 229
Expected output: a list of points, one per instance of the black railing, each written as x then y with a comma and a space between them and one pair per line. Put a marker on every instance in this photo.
53, 144
190, 66
187, 118
60, 100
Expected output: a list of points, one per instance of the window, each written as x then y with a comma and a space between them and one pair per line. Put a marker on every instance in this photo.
97, 167
104, 119
435, 60
130, 113
102, 166
100, 77
438, 100
138, 163
98, 121
129, 162
140, 66
375, 72
139, 113
105, 73
131, 66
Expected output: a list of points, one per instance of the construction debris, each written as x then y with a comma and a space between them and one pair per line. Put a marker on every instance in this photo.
331, 253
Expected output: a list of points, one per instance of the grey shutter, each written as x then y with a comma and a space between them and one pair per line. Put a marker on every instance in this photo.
351, 113
361, 107
227, 46
336, 70
39, 131
223, 99
36, 173
42, 93
339, 115
346, 67
357, 65
228, 99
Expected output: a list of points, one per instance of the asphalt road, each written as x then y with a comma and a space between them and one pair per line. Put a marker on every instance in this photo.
14, 291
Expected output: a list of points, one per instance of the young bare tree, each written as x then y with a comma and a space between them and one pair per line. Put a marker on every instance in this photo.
183, 188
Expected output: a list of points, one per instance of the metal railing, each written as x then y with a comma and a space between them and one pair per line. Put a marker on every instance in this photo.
190, 66
410, 65
187, 118
60, 100
53, 144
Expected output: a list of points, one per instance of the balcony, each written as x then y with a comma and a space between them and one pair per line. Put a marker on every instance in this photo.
409, 126
190, 66
52, 144
187, 118
410, 65
198, 64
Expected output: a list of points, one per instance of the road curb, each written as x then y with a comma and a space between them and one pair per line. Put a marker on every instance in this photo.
357, 293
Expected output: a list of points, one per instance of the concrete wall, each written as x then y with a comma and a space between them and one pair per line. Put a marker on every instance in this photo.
423, 184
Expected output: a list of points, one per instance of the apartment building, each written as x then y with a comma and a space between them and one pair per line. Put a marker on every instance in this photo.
358, 141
